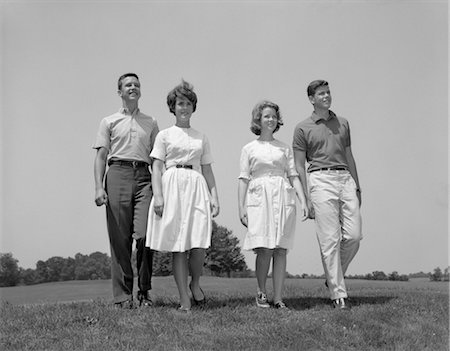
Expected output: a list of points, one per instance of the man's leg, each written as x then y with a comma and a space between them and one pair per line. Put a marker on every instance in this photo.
351, 223
119, 214
144, 256
325, 199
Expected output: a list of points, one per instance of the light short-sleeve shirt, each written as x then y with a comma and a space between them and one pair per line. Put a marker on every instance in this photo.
127, 136
266, 158
323, 141
182, 146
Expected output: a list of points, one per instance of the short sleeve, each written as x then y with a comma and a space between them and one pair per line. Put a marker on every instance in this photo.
244, 165
206, 158
159, 147
291, 170
299, 140
103, 138
348, 141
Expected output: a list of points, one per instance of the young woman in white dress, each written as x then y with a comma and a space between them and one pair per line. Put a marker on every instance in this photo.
184, 195
268, 185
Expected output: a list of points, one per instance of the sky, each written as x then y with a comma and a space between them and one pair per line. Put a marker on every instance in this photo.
386, 62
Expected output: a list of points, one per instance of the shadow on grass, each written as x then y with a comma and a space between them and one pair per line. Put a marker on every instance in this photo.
299, 304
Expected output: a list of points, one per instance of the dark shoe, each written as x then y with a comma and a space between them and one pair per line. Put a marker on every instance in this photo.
280, 305
198, 302
340, 304
261, 300
144, 299
128, 305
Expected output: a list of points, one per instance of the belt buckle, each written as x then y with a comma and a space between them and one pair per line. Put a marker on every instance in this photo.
134, 164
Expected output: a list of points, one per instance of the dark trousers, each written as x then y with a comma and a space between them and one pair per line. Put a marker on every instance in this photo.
129, 194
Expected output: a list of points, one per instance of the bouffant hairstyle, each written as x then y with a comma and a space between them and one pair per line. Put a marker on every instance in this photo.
123, 76
313, 86
185, 90
255, 126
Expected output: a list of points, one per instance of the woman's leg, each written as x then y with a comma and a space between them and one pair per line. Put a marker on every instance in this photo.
180, 273
196, 260
263, 258
278, 273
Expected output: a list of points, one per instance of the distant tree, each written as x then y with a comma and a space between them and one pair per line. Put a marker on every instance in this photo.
394, 276
446, 275
42, 273
55, 266
376, 275
9, 270
162, 263
224, 256
95, 266
436, 276
28, 276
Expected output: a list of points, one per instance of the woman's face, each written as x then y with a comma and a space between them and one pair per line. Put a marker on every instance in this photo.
183, 109
269, 120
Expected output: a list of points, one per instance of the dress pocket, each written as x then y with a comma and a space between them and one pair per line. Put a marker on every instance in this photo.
254, 196
290, 195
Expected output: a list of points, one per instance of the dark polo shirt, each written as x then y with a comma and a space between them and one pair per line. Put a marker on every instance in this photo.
324, 141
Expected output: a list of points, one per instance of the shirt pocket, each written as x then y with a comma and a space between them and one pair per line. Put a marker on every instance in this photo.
254, 196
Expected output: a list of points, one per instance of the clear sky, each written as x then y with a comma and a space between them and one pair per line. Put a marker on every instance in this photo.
386, 61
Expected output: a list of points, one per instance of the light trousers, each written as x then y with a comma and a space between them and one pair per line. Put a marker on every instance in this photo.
338, 224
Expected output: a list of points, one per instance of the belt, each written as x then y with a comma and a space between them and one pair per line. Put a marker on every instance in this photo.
184, 166
330, 169
134, 164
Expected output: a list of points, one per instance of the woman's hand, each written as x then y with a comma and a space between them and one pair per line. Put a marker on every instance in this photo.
215, 208
158, 205
243, 217
305, 212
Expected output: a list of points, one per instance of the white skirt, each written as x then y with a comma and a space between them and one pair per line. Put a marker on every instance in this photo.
271, 213
186, 222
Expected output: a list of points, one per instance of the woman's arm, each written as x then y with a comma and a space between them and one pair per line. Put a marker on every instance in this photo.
211, 181
157, 170
242, 192
295, 182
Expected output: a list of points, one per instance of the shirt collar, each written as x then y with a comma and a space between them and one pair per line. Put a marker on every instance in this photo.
125, 111
316, 118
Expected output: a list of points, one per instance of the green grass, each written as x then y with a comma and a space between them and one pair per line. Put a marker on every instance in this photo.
384, 316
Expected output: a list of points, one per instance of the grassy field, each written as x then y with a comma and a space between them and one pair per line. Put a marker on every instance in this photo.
80, 316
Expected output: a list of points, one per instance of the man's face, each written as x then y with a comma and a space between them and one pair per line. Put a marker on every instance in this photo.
321, 98
131, 89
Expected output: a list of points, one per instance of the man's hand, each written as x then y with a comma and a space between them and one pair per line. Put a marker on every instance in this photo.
311, 214
101, 198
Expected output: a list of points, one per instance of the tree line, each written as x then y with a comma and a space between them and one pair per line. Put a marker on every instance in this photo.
224, 258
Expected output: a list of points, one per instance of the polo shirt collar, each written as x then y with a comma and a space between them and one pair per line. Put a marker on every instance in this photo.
316, 118
125, 111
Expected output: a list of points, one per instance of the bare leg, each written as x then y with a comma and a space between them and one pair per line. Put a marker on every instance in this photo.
278, 273
263, 258
180, 273
196, 260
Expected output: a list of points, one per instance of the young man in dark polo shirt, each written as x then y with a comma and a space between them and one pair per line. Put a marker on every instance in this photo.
334, 196
124, 142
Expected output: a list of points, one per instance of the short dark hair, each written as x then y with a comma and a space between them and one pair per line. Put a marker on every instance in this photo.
123, 76
313, 86
255, 125
184, 89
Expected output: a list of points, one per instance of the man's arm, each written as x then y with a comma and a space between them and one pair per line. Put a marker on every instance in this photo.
300, 160
353, 171
101, 198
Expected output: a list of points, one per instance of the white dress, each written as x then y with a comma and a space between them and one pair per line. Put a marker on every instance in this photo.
186, 222
270, 199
